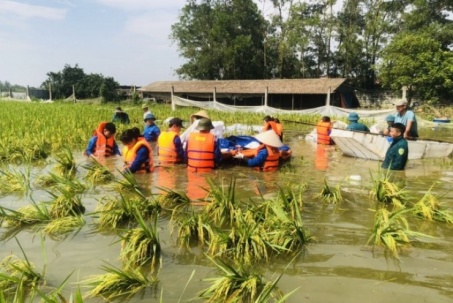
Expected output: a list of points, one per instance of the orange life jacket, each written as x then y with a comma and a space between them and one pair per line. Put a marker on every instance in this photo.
167, 154
200, 152
276, 127
323, 129
104, 146
272, 160
129, 156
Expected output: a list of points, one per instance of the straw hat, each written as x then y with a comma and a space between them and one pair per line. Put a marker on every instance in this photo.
201, 114
269, 138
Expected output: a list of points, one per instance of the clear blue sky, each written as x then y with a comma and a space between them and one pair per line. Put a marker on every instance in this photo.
124, 39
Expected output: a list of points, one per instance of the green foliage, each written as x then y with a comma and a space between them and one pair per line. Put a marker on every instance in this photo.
85, 85
218, 37
417, 60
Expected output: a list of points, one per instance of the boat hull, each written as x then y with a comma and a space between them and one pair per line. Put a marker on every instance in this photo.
374, 147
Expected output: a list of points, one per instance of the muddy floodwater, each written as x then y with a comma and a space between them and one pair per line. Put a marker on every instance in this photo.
337, 267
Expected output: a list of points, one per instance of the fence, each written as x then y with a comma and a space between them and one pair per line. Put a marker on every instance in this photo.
26, 94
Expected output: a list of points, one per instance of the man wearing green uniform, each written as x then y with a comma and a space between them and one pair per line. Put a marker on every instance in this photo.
396, 156
354, 125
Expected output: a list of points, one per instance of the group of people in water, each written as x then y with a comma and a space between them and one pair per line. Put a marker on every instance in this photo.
200, 150
400, 127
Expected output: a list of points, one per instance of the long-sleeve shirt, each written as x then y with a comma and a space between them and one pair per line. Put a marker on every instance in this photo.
91, 148
259, 159
355, 126
151, 132
396, 156
178, 147
141, 157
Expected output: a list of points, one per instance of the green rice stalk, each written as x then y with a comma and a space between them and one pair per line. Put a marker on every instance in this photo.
15, 181
66, 204
128, 183
388, 192
247, 241
98, 173
171, 199
222, 202
117, 284
64, 225
286, 233
430, 209
329, 194
191, 227
16, 273
238, 283
66, 165
114, 212
391, 231
27, 215
141, 245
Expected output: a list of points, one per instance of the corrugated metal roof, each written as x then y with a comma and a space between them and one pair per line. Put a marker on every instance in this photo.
276, 86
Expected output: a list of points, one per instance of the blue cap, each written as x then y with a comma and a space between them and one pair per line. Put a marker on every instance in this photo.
390, 118
353, 117
149, 117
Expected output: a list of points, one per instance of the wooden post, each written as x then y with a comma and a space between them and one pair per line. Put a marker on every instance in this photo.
292, 102
50, 91
265, 96
404, 92
73, 93
328, 97
214, 95
27, 93
173, 106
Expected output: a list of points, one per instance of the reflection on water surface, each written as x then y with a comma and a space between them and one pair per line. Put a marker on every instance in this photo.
336, 268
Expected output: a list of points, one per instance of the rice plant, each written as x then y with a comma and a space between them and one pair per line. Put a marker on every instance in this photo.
118, 284
329, 194
61, 183
117, 211
141, 245
247, 241
66, 204
191, 227
286, 233
60, 227
388, 192
171, 199
15, 181
391, 231
428, 207
290, 198
66, 165
222, 202
16, 273
128, 183
98, 173
26, 215
238, 283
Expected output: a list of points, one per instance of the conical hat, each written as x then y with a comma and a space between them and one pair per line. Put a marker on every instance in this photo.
202, 113
269, 138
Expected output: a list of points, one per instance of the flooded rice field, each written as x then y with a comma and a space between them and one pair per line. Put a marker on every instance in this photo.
337, 267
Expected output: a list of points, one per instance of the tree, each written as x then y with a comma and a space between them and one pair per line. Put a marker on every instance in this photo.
221, 39
417, 61
86, 86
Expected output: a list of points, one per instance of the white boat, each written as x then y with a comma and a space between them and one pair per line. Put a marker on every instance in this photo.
373, 146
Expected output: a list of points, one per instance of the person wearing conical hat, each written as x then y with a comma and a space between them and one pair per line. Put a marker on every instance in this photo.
354, 125
199, 115
274, 124
267, 156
